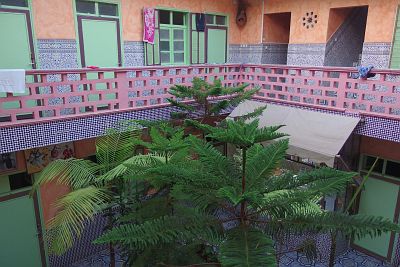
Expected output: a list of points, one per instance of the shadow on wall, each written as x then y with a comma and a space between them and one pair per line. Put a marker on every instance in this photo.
346, 32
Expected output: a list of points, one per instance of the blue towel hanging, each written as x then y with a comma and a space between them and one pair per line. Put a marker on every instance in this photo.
200, 22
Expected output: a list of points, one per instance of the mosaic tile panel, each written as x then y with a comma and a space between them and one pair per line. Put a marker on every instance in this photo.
134, 54
306, 54
376, 54
245, 54
57, 54
274, 54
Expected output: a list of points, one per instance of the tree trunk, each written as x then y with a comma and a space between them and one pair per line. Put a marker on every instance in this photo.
333, 249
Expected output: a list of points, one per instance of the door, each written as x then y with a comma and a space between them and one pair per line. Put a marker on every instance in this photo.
19, 244
100, 46
379, 198
100, 43
16, 46
216, 45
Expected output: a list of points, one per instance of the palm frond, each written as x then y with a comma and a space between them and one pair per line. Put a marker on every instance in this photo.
75, 209
75, 173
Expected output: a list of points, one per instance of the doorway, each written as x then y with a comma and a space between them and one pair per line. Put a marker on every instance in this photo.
276, 35
345, 36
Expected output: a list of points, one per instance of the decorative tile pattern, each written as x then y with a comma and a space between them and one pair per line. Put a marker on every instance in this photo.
83, 247
306, 54
245, 53
274, 54
344, 48
376, 54
134, 54
57, 54
380, 128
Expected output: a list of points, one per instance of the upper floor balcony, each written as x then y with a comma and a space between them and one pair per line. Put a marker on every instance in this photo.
65, 94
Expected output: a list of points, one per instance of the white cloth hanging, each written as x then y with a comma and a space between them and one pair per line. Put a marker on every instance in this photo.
12, 81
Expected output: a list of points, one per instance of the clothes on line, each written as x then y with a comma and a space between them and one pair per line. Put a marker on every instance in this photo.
12, 81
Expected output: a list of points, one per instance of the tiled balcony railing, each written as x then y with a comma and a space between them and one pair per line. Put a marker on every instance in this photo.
61, 94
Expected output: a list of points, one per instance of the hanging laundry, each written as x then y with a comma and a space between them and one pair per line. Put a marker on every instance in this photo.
200, 22
12, 81
365, 72
149, 21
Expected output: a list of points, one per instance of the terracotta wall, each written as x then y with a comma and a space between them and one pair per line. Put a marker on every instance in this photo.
276, 28
51, 192
251, 33
336, 17
55, 19
380, 23
382, 148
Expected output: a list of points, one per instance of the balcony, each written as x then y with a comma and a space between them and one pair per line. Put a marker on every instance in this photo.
71, 93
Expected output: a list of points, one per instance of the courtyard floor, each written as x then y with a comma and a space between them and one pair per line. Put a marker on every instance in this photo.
351, 258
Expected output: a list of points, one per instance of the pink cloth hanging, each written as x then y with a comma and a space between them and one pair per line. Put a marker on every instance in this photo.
149, 20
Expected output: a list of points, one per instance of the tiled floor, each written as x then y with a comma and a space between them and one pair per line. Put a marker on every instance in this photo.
350, 259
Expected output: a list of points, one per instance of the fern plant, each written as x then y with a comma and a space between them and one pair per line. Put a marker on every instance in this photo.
205, 96
236, 207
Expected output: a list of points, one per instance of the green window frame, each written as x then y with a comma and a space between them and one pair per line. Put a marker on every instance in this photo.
173, 39
198, 43
99, 8
384, 167
15, 4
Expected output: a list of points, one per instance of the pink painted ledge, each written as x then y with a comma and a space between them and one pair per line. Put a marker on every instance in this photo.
51, 93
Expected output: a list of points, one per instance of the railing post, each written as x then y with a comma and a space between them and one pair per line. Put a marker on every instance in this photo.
342, 87
123, 89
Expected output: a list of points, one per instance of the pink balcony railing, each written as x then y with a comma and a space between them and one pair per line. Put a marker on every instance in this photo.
328, 87
61, 94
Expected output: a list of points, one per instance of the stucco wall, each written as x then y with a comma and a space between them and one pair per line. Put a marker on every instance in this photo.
380, 21
55, 19
276, 28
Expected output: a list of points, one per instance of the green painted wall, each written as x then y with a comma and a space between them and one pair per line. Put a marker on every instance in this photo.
4, 184
15, 51
379, 198
19, 245
395, 61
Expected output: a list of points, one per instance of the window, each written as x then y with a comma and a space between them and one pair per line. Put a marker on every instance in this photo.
20, 180
178, 41
96, 8
14, 3
217, 20
383, 167
108, 9
85, 7
172, 37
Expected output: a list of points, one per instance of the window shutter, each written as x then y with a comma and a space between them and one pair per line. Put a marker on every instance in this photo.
152, 51
198, 43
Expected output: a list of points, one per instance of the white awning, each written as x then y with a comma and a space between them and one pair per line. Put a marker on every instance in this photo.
314, 135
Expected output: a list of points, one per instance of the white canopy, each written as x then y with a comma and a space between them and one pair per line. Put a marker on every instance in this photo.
314, 135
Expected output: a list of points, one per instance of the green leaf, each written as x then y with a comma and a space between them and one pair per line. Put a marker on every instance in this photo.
75, 209
247, 247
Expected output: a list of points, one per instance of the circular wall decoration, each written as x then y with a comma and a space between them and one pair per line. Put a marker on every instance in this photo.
310, 19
